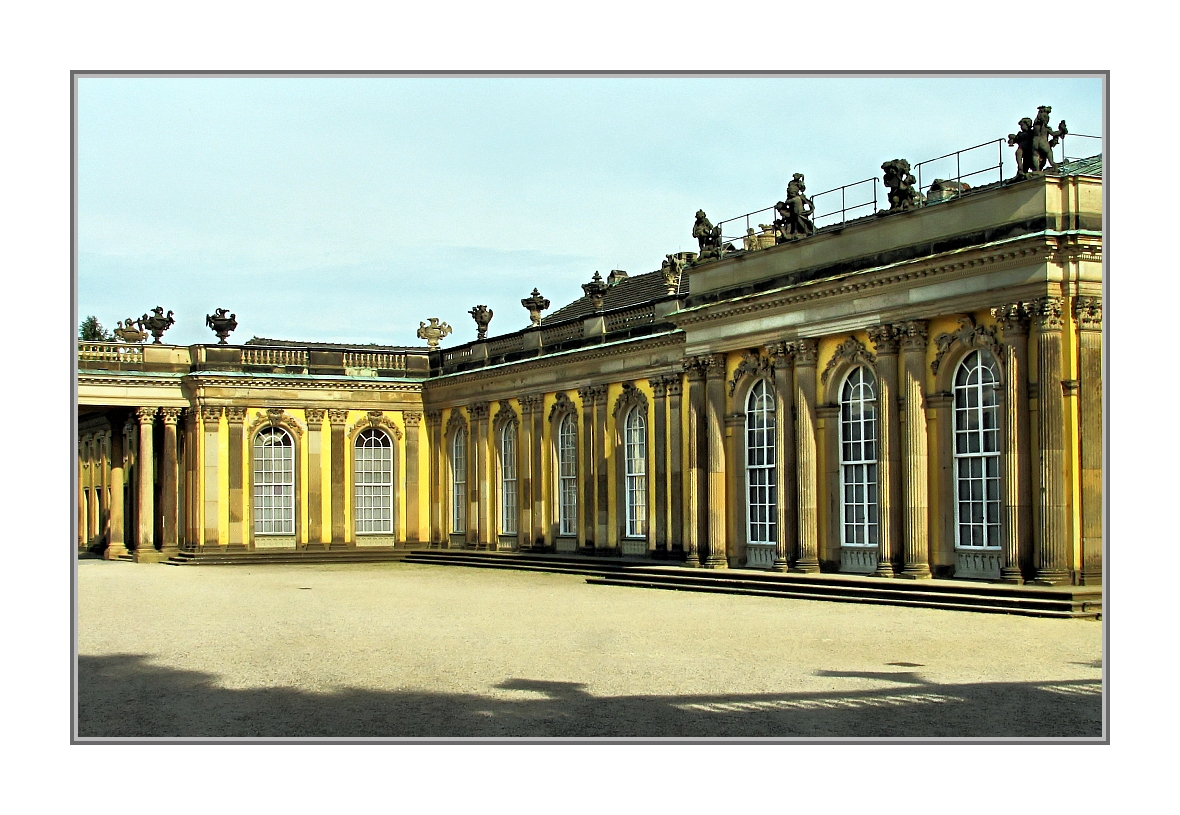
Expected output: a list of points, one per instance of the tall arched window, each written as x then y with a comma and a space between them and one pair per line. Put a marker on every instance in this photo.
274, 482
858, 458
567, 475
761, 488
373, 482
635, 463
508, 479
977, 451
459, 482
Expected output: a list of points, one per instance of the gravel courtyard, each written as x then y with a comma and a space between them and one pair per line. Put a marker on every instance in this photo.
409, 650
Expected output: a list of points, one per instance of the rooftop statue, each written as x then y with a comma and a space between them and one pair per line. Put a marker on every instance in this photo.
221, 324
482, 316
1035, 142
902, 193
434, 332
131, 330
672, 268
535, 303
596, 290
795, 213
157, 323
708, 238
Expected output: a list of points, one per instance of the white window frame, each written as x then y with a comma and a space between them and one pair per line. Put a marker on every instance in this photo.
274, 487
459, 482
567, 476
761, 484
372, 483
635, 471
976, 449
508, 494
860, 446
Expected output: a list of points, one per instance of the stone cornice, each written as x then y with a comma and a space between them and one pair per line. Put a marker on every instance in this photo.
201, 380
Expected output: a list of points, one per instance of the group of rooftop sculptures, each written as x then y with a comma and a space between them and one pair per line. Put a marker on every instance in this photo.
1035, 142
157, 322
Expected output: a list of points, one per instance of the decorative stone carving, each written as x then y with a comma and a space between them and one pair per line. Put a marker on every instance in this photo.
968, 334
157, 323
171, 415
434, 418
884, 338
535, 303
482, 316
315, 416
1012, 317
912, 334
478, 411
434, 332
337, 417
708, 239
209, 413
1087, 311
146, 415
532, 403
411, 417
235, 414
376, 419
672, 268
1045, 312
851, 350
782, 355
563, 404
662, 385
902, 193
131, 331
457, 422
752, 364
1034, 143
630, 397
806, 352
505, 414
222, 323
596, 290
593, 394
795, 213
278, 417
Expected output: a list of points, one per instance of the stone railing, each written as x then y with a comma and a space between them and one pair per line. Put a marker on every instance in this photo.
109, 352
278, 357
506, 345
358, 359
620, 320
458, 355
560, 333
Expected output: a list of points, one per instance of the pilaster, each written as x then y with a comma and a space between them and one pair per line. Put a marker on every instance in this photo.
434, 435
1088, 318
603, 537
885, 344
211, 475
589, 481
1017, 483
239, 533
782, 356
533, 494
675, 469
412, 419
659, 389
169, 482
315, 477
807, 509
1051, 556
694, 515
480, 498
714, 365
337, 419
915, 466
145, 548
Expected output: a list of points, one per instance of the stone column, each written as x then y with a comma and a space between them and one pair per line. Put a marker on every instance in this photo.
694, 520
1013, 319
480, 497
915, 468
315, 477
782, 356
117, 543
1088, 316
412, 419
601, 492
1051, 558
884, 338
337, 419
192, 465
524, 475
434, 434
102, 504
807, 508
211, 429
169, 482
675, 469
238, 535
145, 548
589, 481
659, 389
532, 412
86, 492
715, 418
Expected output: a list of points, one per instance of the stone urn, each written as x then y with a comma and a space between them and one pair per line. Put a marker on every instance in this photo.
482, 316
596, 290
434, 332
130, 331
157, 323
222, 324
535, 303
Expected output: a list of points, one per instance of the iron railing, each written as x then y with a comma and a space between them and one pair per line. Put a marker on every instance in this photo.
1065, 158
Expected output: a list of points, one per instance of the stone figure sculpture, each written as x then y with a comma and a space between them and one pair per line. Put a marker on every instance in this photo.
903, 195
672, 268
482, 316
596, 290
708, 239
434, 332
222, 323
1035, 142
130, 330
535, 303
157, 323
795, 213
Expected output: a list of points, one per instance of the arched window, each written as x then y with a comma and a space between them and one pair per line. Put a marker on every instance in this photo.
858, 458
274, 482
459, 482
635, 463
761, 488
977, 452
373, 483
508, 479
567, 475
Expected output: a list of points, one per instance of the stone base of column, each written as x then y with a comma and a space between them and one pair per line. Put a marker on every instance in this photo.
1051, 578
149, 556
114, 551
692, 561
780, 565
884, 569
1092, 578
805, 567
1011, 575
716, 561
915, 573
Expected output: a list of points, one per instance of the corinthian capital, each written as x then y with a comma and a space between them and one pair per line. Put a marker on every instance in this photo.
411, 417
146, 415
315, 417
171, 415
884, 338
1012, 317
1087, 311
912, 334
1046, 312
806, 352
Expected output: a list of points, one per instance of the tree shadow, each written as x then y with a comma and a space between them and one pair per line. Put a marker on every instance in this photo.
126, 695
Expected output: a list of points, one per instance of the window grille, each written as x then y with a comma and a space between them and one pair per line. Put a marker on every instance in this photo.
274, 482
635, 459
977, 452
567, 467
373, 482
858, 458
459, 482
761, 487
508, 479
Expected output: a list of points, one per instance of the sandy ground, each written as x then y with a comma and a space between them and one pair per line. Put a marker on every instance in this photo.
397, 650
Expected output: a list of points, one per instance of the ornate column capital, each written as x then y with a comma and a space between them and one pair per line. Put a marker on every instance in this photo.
171, 415
411, 417
592, 395
337, 417
782, 355
1087, 312
1045, 312
713, 365
434, 418
806, 352
659, 386
146, 415
693, 368
235, 415
210, 413
532, 403
1012, 317
884, 338
912, 335
315, 417
478, 411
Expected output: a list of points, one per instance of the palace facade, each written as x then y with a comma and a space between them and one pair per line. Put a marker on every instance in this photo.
912, 395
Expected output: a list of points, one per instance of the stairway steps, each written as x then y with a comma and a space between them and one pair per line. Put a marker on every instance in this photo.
287, 556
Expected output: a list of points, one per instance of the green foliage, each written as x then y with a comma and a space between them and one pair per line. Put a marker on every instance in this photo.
91, 330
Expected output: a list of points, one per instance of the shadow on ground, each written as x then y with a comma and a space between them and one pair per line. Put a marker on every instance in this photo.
125, 695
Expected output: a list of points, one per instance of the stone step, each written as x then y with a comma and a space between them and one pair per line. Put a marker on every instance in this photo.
383, 555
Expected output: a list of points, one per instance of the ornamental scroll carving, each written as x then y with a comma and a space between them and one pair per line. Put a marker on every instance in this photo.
1012, 317
592, 395
806, 352
851, 350
533, 403
630, 397
315, 417
457, 422
275, 417
433, 418
752, 364
505, 415
563, 404
376, 419
1087, 311
884, 339
1046, 313
970, 335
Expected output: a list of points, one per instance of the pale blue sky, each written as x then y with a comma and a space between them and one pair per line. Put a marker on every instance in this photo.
350, 209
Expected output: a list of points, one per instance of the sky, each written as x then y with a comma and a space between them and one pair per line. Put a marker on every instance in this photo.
350, 209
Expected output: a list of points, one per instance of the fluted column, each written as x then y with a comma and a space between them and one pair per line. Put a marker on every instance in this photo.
1052, 565
532, 408
675, 470
694, 520
210, 477
915, 466
524, 475
315, 477
601, 492
169, 482
659, 389
1013, 319
885, 341
782, 356
1088, 316
337, 419
480, 497
412, 419
117, 542
86, 493
715, 419
807, 508
239, 533
434, 436
192, 466
589, 480
145, 476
